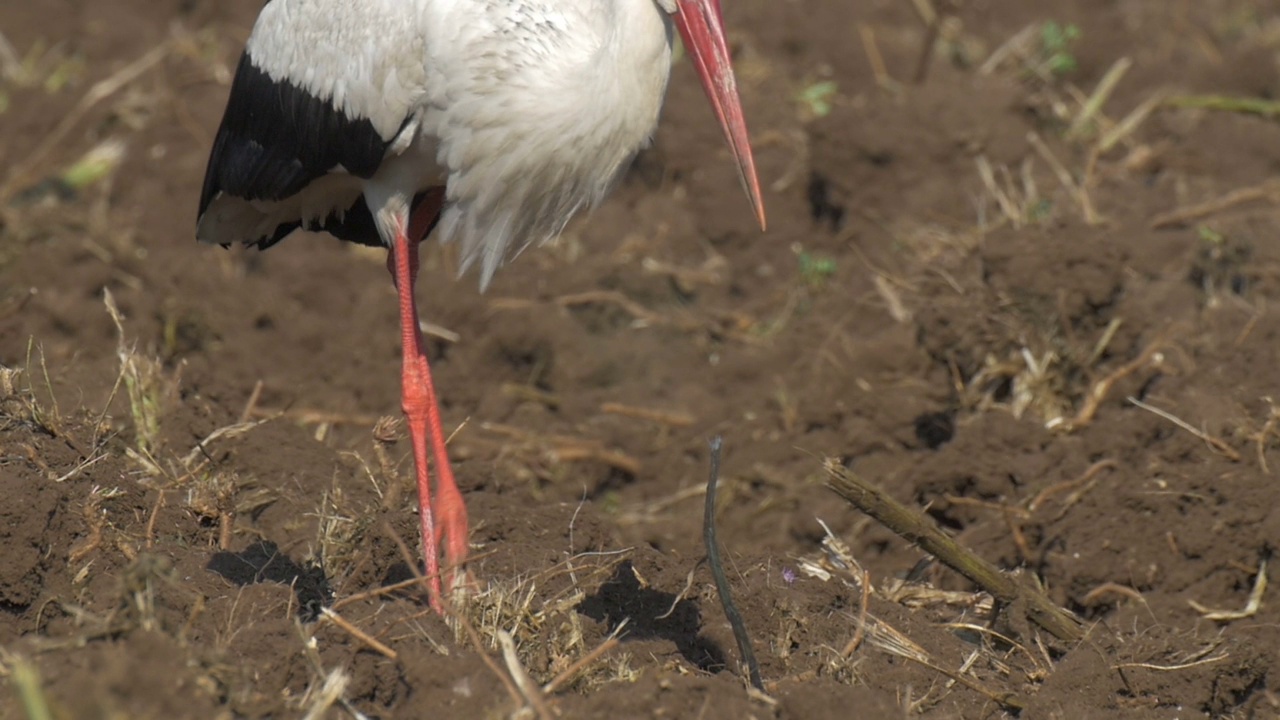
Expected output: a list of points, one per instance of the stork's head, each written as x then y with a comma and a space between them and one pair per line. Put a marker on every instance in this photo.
701, 27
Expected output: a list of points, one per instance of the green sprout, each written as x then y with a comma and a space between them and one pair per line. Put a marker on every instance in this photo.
817, 97
815, 271
1209, 236
94, 165
1055, 46
1040, 210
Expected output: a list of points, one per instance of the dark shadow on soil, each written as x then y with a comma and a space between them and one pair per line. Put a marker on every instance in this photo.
263, 562
621, 598
399, 573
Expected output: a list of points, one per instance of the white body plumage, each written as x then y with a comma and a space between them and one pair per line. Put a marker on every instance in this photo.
524, 111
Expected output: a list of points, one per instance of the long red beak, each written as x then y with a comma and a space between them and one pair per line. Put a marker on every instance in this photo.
702, 28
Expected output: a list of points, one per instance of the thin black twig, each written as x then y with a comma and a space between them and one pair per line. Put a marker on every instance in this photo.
717, 571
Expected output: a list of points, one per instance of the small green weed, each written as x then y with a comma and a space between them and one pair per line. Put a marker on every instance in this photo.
815, 270
816, 98
1056, 42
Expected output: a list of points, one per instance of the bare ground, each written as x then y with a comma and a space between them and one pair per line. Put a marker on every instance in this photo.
1024, 299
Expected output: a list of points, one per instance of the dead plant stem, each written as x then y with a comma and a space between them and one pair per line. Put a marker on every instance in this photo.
916, 528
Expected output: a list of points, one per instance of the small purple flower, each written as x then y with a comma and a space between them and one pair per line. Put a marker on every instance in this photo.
788, 576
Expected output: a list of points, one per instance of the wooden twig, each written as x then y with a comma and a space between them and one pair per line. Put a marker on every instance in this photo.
1094, 596
674, 418
438, 331
1056, 488
357, 633
330, 693
1186, 215
1006, 699
151, 519
875, 58
252, 403
1176, 666
1129, 122
680, 596
1216, 443
1075, 189
932, 28
529, 690
1226, 103
918, 529
1260, 437
507, 683
861, 632
226, 528
377, 592
227, 431
1101, 93
1008, 208
1009, 48
418, 578
1097, 393
717, 571
617, 460
311, 416
1251, 608
572, 671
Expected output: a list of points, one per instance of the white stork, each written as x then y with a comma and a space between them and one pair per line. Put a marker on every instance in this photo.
495, 120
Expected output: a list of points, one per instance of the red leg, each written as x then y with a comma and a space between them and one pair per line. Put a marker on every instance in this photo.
447, 520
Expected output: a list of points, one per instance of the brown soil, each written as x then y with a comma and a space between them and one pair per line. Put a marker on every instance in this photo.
973, 347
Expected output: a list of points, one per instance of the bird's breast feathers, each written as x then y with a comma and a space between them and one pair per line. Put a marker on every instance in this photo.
538, 108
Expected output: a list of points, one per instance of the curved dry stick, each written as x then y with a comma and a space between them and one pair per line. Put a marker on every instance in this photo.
717, 571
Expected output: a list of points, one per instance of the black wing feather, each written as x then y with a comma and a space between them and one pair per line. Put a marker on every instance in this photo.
276, 138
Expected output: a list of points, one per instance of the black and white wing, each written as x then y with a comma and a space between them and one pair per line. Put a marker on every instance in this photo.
321, 94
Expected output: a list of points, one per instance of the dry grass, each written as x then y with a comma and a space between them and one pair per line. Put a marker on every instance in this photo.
837, 563
539, 613
532, 619
149, 387
20, 405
